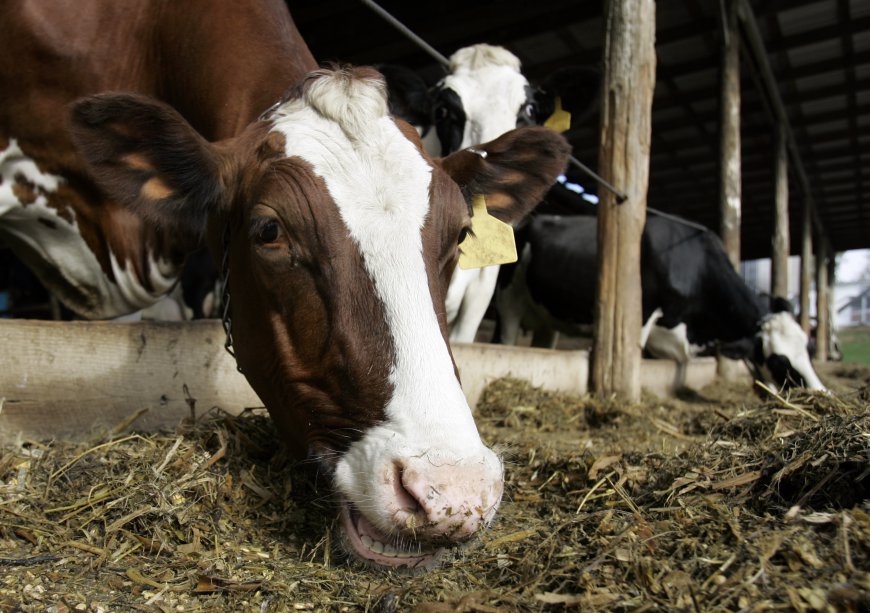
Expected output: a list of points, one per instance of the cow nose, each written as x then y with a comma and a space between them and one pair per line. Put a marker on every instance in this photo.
452, 501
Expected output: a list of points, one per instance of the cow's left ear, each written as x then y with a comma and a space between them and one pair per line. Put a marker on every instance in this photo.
513, 172
779, 304
146, 156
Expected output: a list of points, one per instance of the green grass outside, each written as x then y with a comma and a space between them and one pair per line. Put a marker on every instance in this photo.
855, 344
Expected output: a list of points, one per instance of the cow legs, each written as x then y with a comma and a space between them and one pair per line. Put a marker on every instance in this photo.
511, 301
474, 302
645, 331
670, 343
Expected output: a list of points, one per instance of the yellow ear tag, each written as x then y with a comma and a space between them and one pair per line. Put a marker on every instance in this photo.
490, 241
560, 120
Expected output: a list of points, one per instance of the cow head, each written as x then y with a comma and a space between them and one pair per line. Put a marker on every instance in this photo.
485, 95
340, 235
782, 354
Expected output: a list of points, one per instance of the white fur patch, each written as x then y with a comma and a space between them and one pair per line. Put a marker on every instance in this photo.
670, 343
38, 229
488, 81
781, 335
380, 183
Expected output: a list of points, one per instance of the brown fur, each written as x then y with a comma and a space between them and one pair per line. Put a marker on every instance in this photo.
219, 64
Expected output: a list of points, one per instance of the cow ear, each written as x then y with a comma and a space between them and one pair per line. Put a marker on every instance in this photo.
780, 305
146, 156
513, 172
408, 95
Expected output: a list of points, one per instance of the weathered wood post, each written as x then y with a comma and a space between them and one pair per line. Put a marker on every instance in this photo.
806, 264
830, 316
822, 310
730, 205
626, 109
780, 242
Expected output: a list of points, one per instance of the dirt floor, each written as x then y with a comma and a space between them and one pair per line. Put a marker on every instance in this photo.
719, 501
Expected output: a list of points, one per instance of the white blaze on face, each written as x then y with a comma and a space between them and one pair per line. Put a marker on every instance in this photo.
57, 242
380, 183
781, 335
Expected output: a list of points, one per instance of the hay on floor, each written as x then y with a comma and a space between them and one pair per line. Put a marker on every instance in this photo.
720, 501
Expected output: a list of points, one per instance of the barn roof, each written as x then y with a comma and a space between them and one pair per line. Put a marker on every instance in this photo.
819, 52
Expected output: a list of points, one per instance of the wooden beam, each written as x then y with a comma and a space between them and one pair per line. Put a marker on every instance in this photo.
626, 122
69, 378
730, 206
780, 242
806, 268
83, 380
822, 309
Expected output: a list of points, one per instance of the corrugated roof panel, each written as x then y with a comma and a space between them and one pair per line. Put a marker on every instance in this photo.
805, 18
840, 125
816, 81
678, 51
826, 105
859, 8
817, 52
861, 40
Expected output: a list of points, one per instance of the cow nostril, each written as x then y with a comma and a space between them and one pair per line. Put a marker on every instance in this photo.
405, 498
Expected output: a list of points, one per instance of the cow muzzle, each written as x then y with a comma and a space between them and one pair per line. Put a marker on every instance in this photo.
411, 509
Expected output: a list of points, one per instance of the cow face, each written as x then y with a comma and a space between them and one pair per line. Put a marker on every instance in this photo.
784, 356
484, 96
339, 235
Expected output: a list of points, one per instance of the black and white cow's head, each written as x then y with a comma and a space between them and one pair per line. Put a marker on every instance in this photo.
485, 95
781, 350
778, 353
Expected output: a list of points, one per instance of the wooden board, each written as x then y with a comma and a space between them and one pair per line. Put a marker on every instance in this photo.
75, 380
63, 379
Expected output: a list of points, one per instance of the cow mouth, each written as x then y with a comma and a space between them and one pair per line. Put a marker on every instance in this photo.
374, 546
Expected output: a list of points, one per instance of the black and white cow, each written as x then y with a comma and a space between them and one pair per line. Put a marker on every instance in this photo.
484, 95
693, 299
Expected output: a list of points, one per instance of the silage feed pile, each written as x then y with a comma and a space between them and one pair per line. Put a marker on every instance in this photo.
720, 501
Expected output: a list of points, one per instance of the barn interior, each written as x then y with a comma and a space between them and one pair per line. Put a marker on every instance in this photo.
137, 471
816, 51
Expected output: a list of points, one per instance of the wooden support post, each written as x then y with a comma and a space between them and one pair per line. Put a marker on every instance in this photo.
806, 265
730, 206
822, 310
829, 314
780, 242
626, 109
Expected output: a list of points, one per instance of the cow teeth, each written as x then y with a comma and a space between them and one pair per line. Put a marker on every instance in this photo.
383, 549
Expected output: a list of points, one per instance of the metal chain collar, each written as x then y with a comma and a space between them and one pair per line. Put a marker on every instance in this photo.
226, 318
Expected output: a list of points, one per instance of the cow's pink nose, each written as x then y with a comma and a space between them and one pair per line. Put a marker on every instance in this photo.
451, 500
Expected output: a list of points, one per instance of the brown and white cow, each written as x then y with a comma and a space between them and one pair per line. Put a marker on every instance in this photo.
339, 232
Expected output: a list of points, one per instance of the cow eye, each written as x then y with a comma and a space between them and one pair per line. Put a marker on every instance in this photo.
441, 113
268, 231
463, 233
529, 109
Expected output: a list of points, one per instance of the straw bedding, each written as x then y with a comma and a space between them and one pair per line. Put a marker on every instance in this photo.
719, 500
